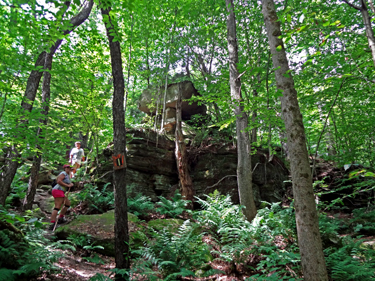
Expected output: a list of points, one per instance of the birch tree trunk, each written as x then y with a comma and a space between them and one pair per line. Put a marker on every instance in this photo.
244, 172
122, 257
309, 241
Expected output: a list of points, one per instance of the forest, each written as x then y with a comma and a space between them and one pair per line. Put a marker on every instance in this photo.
288, 82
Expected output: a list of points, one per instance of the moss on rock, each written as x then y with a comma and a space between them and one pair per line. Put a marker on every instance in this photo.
170, 224
101, 228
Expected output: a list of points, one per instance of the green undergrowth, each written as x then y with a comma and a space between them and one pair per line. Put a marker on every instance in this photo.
216, 239
265, 249
24, 251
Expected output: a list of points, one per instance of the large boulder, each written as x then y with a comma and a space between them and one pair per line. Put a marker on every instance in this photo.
154, 97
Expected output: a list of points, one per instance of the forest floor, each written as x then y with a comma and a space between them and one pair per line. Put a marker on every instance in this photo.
73, 266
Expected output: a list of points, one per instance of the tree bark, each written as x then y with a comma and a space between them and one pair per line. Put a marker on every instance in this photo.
10, 168
371, 6
309, 241
37, 159
367, 22
187, 190
119, 140
369, 30
244, 172
33, 83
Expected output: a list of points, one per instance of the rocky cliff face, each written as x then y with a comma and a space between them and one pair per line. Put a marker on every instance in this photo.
152, 169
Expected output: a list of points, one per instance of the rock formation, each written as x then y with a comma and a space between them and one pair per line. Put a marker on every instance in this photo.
152, 169
154, 97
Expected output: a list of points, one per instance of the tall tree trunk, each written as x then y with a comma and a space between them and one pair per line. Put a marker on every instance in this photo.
244, 172
187, 190
119, 147
309, 241
10, 168
37, 159
33, 83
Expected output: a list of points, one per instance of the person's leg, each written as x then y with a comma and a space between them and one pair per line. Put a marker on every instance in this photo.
58, 202
75, 167
64, 209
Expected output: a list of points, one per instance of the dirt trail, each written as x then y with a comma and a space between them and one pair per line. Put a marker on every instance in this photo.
75, 268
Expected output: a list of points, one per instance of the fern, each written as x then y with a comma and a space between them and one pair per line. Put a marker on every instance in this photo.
221, 218
140, 205
354, 261
176, 254
6, 274
24, 253
99, 277
98, 200
174, 207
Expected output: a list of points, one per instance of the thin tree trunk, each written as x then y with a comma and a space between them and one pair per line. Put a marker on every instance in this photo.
371, 6
309, 241
33, 83
163, 116
367, 22
37, 159
122, 257
187, 190
244, 172
10, 168
369, 31
326, 122
129, 63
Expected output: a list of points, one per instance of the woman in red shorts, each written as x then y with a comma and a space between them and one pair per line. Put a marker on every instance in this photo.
58, 192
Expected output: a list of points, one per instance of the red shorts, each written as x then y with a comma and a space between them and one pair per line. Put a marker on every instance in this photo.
56, 193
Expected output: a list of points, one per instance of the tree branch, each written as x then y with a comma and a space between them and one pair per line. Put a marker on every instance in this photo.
219, 181
325, 124
352, 5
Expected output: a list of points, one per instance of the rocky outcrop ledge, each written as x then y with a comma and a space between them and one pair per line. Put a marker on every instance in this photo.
151, 169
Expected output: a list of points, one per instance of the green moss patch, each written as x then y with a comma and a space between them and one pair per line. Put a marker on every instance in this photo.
101, 228
170, 224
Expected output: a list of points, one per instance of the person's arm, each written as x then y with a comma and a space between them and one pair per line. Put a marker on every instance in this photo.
71, 156
60, 182
83, 155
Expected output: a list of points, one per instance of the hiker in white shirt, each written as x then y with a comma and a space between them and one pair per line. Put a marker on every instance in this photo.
77, 155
